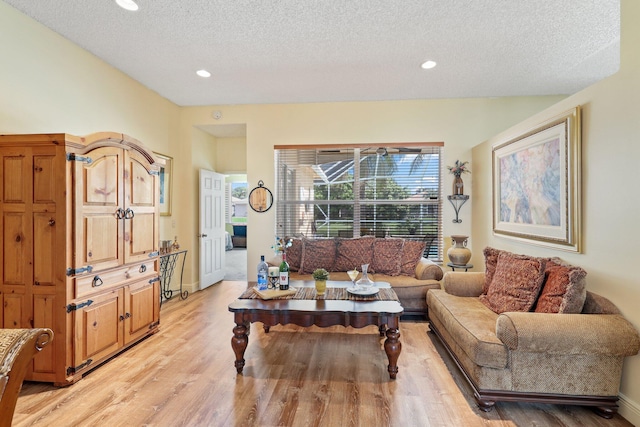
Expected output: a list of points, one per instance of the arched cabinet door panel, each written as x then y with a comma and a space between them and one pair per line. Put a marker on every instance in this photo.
98, 219
141, 221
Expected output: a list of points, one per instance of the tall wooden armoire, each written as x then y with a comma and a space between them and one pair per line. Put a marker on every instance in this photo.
79, 254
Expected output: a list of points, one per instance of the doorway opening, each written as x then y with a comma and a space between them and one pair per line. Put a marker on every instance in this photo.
236, 202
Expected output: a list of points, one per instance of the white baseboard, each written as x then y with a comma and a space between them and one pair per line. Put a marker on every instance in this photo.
629, 409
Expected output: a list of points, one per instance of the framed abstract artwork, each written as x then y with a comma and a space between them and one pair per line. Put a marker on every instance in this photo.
166, 178
537, 184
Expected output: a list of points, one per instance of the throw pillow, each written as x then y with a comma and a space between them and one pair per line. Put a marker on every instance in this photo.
564, 289
387, 254
490, 262
294, 254
352, 253
412, 251
516, 283
317, 253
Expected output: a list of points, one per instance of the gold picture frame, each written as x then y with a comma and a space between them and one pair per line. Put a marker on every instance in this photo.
166, 181
537, 184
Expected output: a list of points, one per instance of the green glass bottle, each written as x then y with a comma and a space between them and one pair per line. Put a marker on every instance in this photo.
284, 273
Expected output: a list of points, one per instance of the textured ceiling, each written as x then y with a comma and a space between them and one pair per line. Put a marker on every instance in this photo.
296, 51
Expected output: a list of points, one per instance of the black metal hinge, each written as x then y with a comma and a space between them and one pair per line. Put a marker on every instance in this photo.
154, 173
73, 271
155, 279
154, 254
154, 325
73, 307
73, 369
73, 157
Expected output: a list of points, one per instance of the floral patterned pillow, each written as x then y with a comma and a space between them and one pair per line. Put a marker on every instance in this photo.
411, 253
564, 289
490, 262
387, 254
317, 253
352, 253
516, 283
294, 254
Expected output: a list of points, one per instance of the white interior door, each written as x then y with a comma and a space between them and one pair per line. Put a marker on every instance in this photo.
211, 233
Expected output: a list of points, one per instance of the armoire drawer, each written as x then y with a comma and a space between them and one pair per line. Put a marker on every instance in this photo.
113, 278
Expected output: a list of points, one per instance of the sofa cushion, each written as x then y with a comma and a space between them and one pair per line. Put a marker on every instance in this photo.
516, 283
352, 253
387, 254
294, 254
411, 253
471, 325
564, 289
317, 253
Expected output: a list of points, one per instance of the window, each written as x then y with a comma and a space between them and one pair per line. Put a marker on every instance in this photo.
338, 191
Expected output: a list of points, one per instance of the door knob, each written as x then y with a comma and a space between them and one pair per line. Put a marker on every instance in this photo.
202, 235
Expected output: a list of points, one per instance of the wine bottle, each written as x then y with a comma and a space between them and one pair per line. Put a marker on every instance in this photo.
263, 271
284, 273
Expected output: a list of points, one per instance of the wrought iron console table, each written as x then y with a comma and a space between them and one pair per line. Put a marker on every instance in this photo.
167, 266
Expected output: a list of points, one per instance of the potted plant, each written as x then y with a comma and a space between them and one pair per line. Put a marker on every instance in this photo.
320, 275
457, 170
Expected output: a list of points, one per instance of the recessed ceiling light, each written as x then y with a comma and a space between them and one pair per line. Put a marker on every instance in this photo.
127, 4
428, 65
203, 73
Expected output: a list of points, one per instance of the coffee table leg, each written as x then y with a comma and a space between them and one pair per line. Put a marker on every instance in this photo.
239, 344
393, 346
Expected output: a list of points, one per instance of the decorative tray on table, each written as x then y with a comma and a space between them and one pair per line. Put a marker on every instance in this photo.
274, 293
363, 291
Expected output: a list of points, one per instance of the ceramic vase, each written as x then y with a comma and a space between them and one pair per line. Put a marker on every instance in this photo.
458, 186
459, 254
321, 287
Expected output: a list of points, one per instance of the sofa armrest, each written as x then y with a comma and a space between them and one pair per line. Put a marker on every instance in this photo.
463, 284
428, 270
606, 334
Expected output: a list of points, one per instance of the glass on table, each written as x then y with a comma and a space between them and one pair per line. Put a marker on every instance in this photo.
353, 275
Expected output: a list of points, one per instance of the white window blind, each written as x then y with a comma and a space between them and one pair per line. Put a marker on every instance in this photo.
338, 191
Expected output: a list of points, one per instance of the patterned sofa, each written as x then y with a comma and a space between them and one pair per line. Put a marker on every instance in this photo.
396, 261
527, 330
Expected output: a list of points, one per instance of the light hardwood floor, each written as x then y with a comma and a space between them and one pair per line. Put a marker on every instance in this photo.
185, 376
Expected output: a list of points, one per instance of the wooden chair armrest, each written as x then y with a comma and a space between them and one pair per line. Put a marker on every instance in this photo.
17, 349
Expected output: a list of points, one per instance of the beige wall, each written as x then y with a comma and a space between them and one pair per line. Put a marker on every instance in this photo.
460, 123
48, 84
231, 155
610, 153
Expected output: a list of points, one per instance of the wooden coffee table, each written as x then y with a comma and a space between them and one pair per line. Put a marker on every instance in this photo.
319, 312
